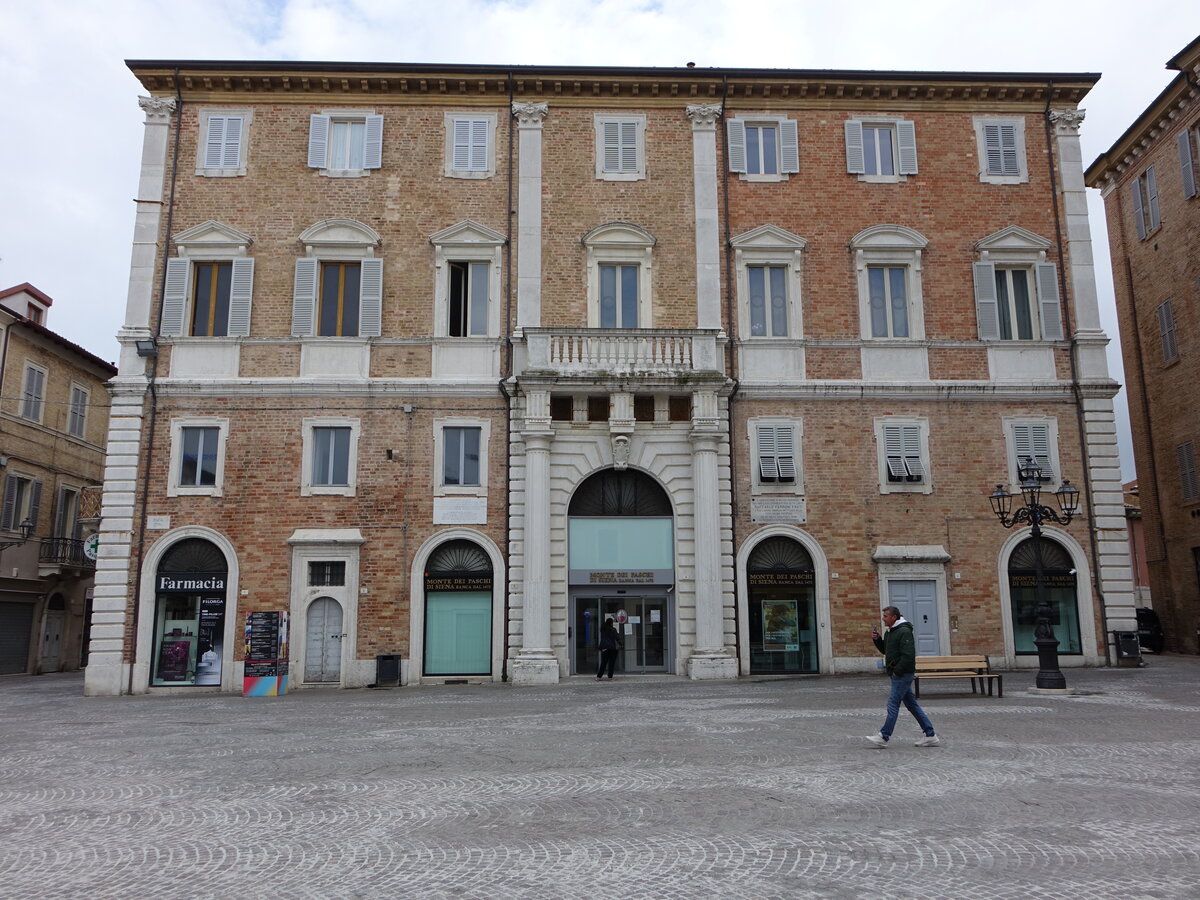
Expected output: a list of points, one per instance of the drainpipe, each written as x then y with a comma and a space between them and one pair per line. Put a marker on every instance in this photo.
1075, 386
506, 371
153, 388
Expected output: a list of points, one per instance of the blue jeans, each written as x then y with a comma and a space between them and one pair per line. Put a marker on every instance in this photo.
902, 693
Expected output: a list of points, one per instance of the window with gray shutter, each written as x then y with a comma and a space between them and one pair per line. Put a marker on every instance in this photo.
470, 145
1189, 482
902, 450
223, 143
776, 454
1000, 148
1187, 165
34, 393
1033, 440
1166, 332
304, 297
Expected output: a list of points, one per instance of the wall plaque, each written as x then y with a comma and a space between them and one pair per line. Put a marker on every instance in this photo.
788, 510
459, 510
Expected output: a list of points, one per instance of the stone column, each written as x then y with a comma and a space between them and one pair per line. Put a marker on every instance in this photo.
529, 213
106, 673
708, 236
1115, 575
710, 657
536, 663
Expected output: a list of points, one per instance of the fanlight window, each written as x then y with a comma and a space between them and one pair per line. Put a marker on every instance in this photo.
192, 555
613, 493
779, 554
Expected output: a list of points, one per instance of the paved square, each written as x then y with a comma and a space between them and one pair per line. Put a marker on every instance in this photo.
656, 788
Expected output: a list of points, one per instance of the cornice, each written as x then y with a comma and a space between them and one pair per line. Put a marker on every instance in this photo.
210, 81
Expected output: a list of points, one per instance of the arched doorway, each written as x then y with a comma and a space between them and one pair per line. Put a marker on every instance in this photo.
782, 608
621, 550
323, 638
458, 610
189, 615
1059, 576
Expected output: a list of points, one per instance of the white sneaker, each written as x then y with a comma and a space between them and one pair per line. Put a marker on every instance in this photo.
877, 739
931, 741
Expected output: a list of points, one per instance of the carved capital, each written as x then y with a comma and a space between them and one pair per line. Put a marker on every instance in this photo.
529, 115
157, 109
1067, 121
703, 115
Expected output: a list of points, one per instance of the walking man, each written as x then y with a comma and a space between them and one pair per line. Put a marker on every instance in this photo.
900, 659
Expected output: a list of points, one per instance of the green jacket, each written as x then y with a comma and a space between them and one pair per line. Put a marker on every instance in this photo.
899, 649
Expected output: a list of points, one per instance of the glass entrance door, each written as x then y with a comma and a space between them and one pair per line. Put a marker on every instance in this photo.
644, 644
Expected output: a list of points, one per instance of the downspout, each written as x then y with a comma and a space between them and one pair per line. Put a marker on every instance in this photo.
506, 371
1075, 386
153, 388
730, 356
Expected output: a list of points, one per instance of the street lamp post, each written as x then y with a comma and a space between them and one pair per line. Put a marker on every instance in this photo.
1034, 514
26, 528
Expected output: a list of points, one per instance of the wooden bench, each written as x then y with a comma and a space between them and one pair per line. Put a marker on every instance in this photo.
975, 667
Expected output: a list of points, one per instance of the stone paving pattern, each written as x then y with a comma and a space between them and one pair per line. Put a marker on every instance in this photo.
656, 788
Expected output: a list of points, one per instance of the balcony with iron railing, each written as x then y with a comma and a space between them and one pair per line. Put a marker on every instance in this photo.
64, 552
601, 352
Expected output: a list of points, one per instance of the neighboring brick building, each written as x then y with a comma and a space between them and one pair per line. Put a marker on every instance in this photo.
53, 424
456, 361
1149, 179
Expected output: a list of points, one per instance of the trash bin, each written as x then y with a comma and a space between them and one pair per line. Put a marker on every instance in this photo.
1127, 645
387, 670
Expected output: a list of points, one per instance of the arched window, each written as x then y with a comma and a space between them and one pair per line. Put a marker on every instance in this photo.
620, 493
189, 619
782, 608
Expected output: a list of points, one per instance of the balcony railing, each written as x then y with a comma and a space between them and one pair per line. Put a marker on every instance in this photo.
604, 351
64, 552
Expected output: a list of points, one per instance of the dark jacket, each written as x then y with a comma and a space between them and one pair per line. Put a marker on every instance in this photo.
609, 638
899, 649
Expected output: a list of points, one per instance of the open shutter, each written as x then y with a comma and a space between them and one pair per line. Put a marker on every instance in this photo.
736, 131
1048, 302
611, 146
856, 163
987, 312
1139, 219
1152, 197
789, 139
370, 298
767, 466
318, 142
893, 450
304, 297
10, 503
1039, 439
1186, 168
35, 501
240, 289
629, 155
785, 453
373, 143
214, 144
175, 296
912, 451
906, 141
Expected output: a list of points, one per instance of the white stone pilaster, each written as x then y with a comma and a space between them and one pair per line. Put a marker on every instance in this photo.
529, 212
708, 241
711, 658
536, 663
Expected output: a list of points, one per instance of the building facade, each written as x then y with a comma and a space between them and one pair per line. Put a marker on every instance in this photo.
1149, 182
456, 362
53, 425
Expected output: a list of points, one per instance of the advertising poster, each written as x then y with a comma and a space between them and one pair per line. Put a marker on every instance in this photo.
266, 654
781, 626
212, 640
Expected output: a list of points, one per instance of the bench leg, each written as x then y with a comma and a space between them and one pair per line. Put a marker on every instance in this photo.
1000, 685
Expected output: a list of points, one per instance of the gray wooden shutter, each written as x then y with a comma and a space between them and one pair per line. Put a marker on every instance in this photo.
629, 154
789, 139
906, 141
1033, 439
611, 147
987, 312
736, 131
373, 143
304, 297
240, 290
1139, 220
856, 161
1152, 197
318, 141
912, 451
231, 153
1166, 331
10, 503
1189, 484
370, 298
480, 129
785, 453
461, 138
893, 450
1186, 168
214, 144
993, 157
175, 296
35, 501
767, 466
1049, 304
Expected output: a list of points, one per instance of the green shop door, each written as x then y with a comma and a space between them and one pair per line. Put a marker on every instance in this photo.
458, 633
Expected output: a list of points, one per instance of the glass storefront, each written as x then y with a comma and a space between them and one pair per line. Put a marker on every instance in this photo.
782, 609
189, 615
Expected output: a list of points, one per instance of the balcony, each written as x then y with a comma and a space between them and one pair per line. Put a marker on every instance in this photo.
601, 352
64, 552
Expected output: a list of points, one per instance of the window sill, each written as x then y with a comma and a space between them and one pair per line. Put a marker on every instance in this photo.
763, 179
327, 491
344, 173
620, 176
207, 491
883, 179
221, 173
985, 178
469, 174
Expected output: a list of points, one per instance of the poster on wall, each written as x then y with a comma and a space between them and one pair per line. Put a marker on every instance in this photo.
780, 626
211, 646
266, 654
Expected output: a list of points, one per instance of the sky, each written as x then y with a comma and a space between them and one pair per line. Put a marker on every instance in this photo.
71, 128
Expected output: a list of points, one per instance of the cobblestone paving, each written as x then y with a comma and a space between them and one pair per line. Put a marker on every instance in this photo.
634, 788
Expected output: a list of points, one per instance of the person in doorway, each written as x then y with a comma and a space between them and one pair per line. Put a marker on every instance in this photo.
900, 660
610, 643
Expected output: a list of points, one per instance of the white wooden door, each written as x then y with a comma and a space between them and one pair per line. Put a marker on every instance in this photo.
917, 601
323, 641
52, 640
